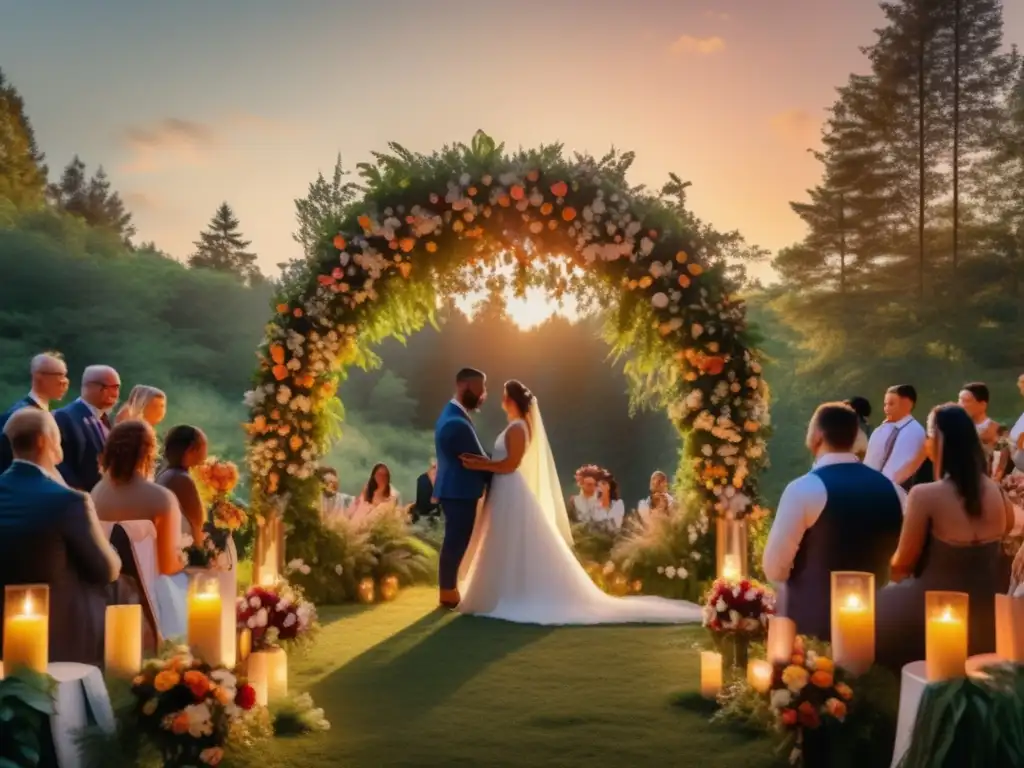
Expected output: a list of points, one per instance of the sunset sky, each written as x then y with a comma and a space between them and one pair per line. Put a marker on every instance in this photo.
191, 102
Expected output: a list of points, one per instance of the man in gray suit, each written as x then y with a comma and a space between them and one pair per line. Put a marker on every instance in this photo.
49, 534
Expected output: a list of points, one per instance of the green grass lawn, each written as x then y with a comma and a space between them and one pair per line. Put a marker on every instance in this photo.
405, 685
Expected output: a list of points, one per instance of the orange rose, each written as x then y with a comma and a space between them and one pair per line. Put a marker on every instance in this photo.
517, 192
824, 664
198, 683
822, 679
277, 353
364, 222
569, 213
295, 443
280, 372
695, 269
532, 175
223, 696
282, 309
546, 209
504, 201
844, 691
836, 709
325, 279
431, 247
166, 680
714, 365
684, 281
681, 257
559, 189
339, 242
179, 724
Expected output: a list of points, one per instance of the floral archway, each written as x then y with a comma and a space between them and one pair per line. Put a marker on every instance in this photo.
422, 221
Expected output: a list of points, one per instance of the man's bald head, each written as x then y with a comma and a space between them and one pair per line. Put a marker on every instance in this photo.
34, 437
49, 376
101, 386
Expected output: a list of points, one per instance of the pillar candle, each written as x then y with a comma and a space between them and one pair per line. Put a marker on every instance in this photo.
731, 568
781, 636
853, 646
945, 646
710, 674
277, 674
26, 638
1010, 628
244, 644
122, 655
204, 625
759, 675
257, 673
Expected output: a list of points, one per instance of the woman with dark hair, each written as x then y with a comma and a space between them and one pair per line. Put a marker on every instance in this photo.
377, 492
610, 508
185, 447
126, 492
951, 541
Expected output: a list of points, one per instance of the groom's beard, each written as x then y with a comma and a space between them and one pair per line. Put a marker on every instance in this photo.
470, 401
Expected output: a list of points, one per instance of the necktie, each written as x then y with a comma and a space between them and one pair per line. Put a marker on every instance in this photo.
890, 445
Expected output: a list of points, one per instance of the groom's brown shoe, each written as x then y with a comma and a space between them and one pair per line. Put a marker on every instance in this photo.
450, 599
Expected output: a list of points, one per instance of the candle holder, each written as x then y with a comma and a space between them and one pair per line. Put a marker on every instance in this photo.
122, 641
946, 616
781, 636
389, 588
853, 620
26, 627
731, 548
759, 675
710, 674
1010, 628
205, 619
366, 590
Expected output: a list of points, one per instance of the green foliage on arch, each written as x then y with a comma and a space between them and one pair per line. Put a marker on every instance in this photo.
425, 219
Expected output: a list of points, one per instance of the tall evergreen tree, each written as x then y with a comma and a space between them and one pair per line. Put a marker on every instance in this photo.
324, 203
92, 200
221, 248
22, 170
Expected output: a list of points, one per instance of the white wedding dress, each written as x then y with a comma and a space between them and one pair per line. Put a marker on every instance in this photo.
520, 565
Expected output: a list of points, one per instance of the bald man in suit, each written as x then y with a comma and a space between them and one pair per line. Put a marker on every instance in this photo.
49, 384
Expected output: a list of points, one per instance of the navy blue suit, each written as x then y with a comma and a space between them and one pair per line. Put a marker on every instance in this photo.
49, 535
457, 488
82, 437
6, 457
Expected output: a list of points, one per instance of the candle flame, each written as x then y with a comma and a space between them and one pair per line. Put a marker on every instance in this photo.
26, 607
853, 602
947, 615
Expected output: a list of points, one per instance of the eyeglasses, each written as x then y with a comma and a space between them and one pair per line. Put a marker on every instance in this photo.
104, 387
60, 376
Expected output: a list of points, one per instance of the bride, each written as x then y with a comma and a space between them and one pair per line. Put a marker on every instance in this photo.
520, 566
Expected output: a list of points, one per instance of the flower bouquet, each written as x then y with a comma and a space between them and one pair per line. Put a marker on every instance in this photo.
277, 615
805, 696
216, 479
736, 612
191, 712
1013, 485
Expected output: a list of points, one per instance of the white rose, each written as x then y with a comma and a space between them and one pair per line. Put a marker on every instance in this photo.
720, 606
671, 571
255, 602
289, 619
781, 698
339, 570
659, 300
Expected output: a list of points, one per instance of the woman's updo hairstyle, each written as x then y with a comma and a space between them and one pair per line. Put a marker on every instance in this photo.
519, 394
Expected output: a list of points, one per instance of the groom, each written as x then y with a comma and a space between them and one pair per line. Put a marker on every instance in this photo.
458, 489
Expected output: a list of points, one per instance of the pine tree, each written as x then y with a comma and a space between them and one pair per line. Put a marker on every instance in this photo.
22, 170
71, 193
323, 206
92, 200
221, 248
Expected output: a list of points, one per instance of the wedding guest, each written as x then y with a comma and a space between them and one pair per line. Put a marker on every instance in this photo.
974, 399
426, 505
333, 503
841, 516
610, 509
582, 506
185, 447
125, 491
49, 534
1016, 436
50, 382
896, 448
951, 541
660, 501
376, 493
144, 403
85, 424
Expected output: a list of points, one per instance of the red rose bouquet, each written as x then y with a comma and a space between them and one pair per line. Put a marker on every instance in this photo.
276, 615
738, 607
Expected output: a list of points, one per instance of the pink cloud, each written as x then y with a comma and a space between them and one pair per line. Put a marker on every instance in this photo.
700, 46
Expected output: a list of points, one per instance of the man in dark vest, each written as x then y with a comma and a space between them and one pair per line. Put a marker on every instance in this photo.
841, 516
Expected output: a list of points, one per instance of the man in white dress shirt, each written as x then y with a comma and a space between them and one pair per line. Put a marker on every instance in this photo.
896, 448
841, 516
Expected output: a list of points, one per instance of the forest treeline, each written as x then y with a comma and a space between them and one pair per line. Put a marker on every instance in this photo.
911, 271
